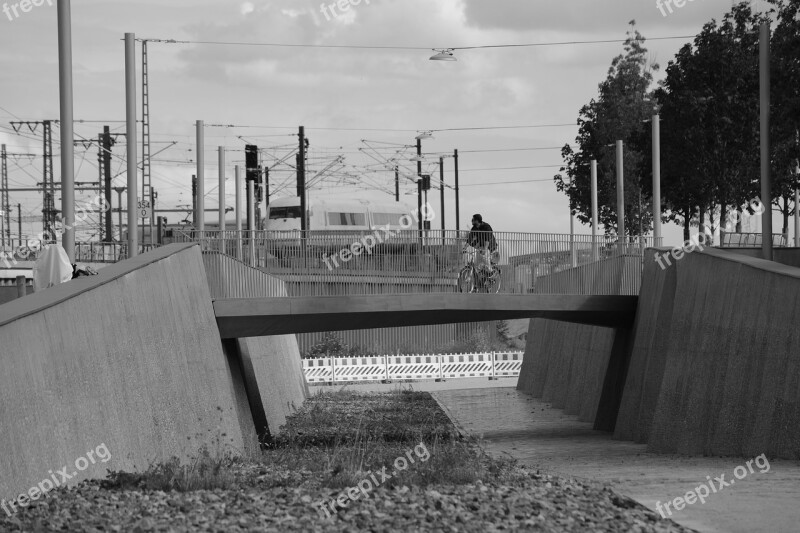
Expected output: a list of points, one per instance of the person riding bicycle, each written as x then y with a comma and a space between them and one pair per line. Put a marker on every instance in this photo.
481, 237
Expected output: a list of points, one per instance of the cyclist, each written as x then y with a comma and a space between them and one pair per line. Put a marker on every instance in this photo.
481, 236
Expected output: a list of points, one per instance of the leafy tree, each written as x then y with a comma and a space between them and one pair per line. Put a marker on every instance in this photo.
623, 105
785, 103
709, 113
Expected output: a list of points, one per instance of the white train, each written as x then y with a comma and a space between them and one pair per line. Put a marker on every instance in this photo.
341, 215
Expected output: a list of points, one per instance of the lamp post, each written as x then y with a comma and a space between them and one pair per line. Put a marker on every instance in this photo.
620, 193
66, 104
595, 256
766, 177
656, 180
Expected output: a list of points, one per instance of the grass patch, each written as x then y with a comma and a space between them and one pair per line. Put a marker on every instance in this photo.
336, 440
204, 472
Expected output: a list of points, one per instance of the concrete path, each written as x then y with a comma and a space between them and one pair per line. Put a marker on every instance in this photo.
514, 423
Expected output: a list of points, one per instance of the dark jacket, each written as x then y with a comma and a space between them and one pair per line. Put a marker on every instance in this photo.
481, 235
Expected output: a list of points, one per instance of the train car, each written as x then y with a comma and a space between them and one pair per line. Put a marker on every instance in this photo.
337, 218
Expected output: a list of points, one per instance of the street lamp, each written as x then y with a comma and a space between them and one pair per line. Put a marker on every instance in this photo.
445, 54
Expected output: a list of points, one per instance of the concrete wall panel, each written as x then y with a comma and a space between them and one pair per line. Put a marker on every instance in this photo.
565, 364
273, 370
130, 358
730, 381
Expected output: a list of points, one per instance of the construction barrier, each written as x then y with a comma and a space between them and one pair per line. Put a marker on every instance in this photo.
412, 366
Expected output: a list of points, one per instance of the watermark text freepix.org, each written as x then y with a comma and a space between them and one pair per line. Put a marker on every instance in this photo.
367, 484
704, 490
59, 478
379, 236
34, 245
24, 5
343, 5
695, 243
660, 4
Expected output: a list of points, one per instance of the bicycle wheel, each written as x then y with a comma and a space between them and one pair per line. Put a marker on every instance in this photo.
493, 283
466, 280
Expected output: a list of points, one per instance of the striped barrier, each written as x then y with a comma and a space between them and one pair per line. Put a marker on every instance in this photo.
412, 366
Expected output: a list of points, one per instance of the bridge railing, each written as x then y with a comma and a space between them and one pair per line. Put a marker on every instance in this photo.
369, 262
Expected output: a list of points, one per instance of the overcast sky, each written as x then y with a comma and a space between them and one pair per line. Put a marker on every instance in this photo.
353, 102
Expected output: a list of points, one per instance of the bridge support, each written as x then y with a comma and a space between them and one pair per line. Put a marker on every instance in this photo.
614, 381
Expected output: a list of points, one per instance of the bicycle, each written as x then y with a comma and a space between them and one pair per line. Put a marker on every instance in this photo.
474, 279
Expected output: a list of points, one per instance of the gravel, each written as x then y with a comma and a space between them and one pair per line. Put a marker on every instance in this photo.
284, 489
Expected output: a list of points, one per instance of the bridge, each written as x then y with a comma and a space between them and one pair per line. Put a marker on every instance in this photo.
255, 317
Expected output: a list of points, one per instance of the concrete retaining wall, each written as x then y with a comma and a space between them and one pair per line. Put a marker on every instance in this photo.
731, 379
650, 343
130, 358
565, 364
273, 370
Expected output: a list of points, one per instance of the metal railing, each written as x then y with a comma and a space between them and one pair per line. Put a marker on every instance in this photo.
17, 250
751, 240
317, 263
413, 366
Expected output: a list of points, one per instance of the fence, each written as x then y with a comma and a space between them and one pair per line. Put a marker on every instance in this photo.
752, 240
17, 250
318, 263
395, 367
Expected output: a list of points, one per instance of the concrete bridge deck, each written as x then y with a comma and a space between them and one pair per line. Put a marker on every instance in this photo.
253, 317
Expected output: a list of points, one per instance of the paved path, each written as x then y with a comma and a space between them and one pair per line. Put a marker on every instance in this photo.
528, 429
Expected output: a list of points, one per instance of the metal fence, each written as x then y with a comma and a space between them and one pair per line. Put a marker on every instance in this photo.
412, 366
16, 250
318, 263
752, 240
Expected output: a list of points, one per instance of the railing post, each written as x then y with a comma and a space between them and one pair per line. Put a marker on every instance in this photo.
494, 376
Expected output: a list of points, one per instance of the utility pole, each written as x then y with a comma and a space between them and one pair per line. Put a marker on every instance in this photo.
108, 142
119, 209
766, 176
194, 201
130, 122
593, 171
146, 183
64, 12
48, 192
620, 196
301, 179
419, 186
266, 189
396, 183
458, 215
19, 223
5, 207
441, 191
201, 186
656, 125
100, 182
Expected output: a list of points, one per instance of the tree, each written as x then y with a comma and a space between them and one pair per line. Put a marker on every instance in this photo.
623, 105
709, 112
785, 104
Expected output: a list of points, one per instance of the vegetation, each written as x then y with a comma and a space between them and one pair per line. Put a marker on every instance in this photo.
709, 108
333, 441
479, 340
